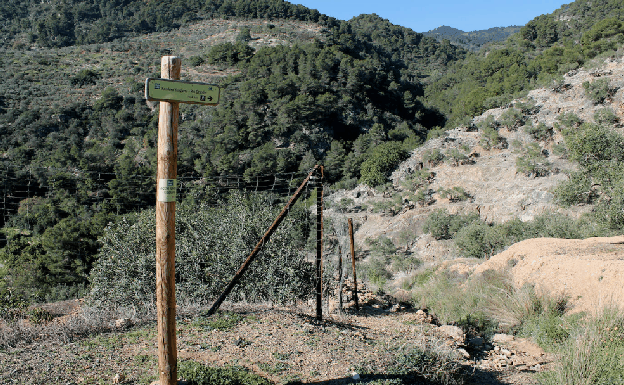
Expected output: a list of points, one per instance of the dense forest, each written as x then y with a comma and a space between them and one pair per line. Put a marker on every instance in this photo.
473, 40
356, 96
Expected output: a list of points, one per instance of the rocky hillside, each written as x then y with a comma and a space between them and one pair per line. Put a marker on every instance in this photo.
487, 178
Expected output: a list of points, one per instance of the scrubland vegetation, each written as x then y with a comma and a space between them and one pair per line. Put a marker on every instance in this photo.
356, 96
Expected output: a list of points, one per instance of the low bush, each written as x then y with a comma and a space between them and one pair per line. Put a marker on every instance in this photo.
211, 244
416, 180
382, 161
433, 365
196, 61
405, 263
598, 90
598, 151
375, 270
456, 156
477, 239
590, 349
541, 132
442, 225
200, 374
533, 162
487, 303
491, 139
569, 120
433, 157
605, 116
511, 119
480, 240
454, 194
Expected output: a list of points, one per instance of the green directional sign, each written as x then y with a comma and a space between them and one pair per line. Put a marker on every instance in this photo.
166, 90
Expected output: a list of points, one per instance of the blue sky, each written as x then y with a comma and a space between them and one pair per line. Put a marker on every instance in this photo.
425, 15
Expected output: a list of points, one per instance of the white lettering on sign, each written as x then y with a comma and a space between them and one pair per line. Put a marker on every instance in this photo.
167, 190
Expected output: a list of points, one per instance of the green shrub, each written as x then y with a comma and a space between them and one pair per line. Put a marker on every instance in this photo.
244, 35
598, 90
479, 240
85, 77
599, 152
541, 132
442, 225
442, 296
455, 156
569, 120
605, 116
200, 374
196, 61
416, 180
421, 196
381, 162
533, 162
416, 364
405, 263
547, 325
228, 53
211, 244
489, 134
436, 132
375, 270
347, 184
433, 157
591, 349
577, 189
382, 246
511, 119
38, 315
454, 194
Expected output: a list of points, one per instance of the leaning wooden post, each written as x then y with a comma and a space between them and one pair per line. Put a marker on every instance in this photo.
260, 243
319, 246
355, 296
165, 228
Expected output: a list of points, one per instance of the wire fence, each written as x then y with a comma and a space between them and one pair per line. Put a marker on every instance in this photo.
22, 190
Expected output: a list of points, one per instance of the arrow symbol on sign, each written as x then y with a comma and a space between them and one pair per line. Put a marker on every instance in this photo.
210, 98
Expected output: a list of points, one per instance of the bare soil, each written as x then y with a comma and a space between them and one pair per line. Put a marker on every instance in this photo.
588, 272
281, 344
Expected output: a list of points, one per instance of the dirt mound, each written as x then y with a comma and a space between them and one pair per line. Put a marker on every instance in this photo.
589, 272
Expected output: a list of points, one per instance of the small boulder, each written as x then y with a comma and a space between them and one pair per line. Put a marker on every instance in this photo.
500, 338
452, 332
123, 323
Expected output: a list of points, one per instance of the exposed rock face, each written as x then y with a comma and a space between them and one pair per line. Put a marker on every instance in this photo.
496, 190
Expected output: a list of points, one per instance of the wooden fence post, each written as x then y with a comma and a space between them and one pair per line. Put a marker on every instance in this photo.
165, 227
319, 246
355, 296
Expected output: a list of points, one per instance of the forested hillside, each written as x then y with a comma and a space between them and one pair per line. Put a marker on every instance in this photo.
473, 40
74, 119
546, 48
299, 88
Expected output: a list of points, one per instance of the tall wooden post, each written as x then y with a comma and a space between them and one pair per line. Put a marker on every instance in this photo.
319, 245
165, 228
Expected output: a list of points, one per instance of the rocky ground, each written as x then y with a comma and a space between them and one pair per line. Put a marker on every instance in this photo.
289, 345
281, 344
495, 188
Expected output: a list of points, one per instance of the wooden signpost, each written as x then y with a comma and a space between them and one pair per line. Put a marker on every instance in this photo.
170, 92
